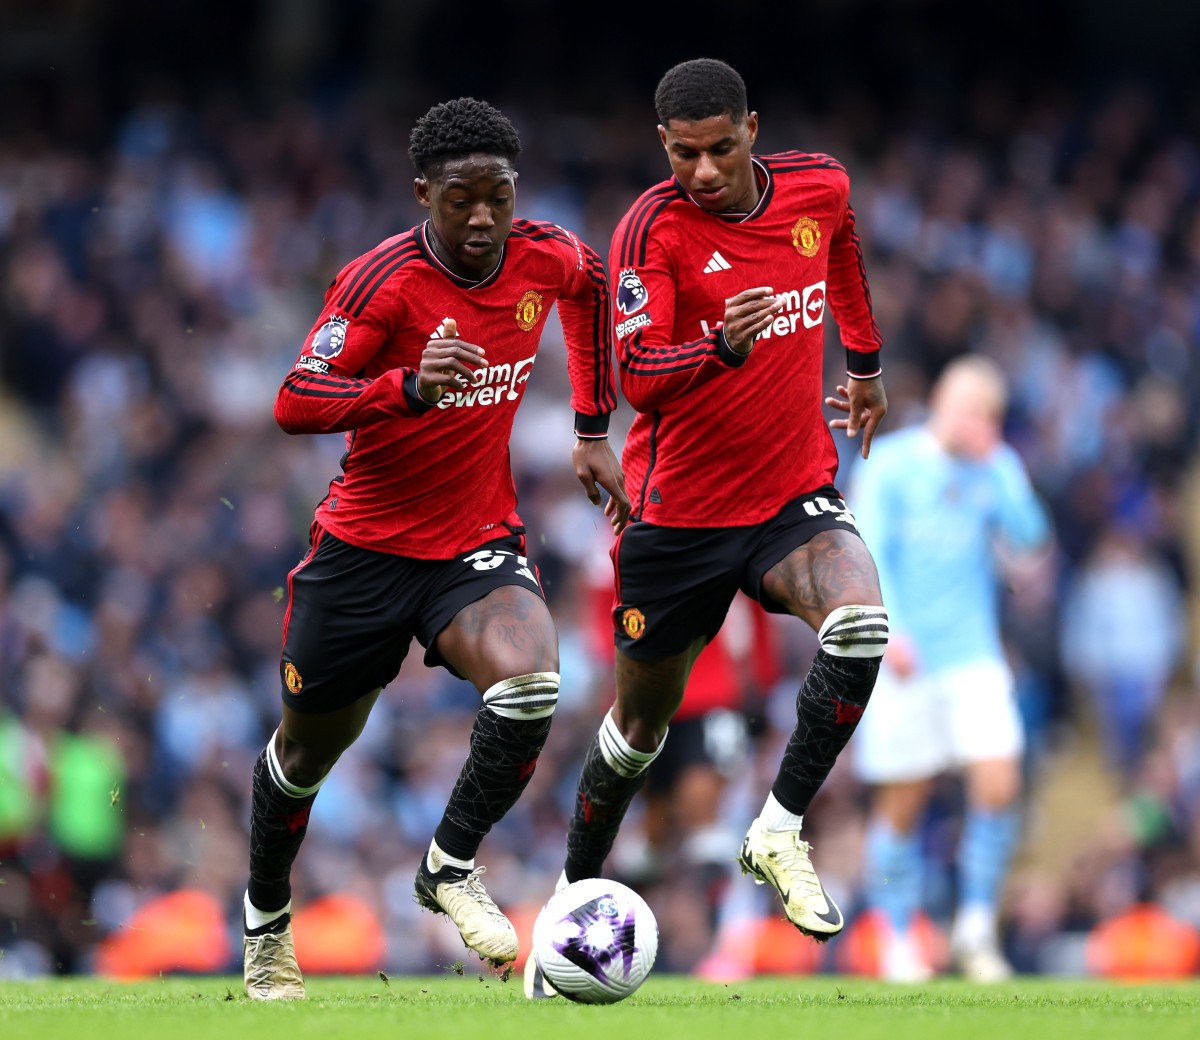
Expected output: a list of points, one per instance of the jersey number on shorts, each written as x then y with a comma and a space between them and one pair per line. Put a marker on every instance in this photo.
490, 559
821, 504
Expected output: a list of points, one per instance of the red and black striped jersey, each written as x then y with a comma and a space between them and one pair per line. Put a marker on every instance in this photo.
430, 481
720, 440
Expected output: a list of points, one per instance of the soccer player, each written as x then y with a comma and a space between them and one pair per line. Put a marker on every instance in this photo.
938, 502
722, 274
421, 354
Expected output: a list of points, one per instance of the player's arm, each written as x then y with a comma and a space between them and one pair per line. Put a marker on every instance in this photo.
654, 369
323, 393
862, 397
585, 312
1023, 519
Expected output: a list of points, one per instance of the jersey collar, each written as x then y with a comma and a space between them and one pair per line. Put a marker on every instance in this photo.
466, 283
766, 186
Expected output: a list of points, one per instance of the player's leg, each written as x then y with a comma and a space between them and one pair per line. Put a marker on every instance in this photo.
901, 744
828, 580
504, 642
989, 736
674, 589
894, 874
287, 775
630, 737
335, 660
613, 772
640, 858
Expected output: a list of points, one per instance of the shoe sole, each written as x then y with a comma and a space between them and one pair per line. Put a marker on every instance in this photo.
748, 867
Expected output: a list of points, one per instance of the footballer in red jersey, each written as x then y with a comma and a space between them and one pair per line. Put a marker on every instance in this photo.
722, 277
421, 355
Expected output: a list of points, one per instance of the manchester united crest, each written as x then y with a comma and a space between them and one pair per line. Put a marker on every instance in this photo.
806, 236
291, 679
529, 309
634, 622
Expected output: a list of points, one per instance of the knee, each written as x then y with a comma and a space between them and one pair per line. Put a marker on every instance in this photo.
855, 630
996, 786
533, 695
302, 765
643, 734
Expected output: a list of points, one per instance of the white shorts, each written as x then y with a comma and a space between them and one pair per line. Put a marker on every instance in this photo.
918, 727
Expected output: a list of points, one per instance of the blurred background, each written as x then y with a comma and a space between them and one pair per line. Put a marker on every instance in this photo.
178, 185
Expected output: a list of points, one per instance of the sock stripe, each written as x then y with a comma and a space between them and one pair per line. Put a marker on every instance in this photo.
281, 781
532, 696
855, 631
619, 755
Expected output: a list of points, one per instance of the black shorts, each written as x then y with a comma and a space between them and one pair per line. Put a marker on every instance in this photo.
352, 613
675, 584
719, 739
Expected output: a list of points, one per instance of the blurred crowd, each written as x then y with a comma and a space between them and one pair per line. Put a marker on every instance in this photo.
155, 291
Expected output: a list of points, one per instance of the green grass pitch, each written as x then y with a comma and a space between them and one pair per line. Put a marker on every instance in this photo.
482, 1006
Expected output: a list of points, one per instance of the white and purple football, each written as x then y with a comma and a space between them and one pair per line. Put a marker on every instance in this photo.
595, 941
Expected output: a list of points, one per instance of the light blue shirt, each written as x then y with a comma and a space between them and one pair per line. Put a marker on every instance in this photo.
932, 522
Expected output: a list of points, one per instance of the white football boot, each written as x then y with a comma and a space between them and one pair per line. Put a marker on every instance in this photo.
780, 858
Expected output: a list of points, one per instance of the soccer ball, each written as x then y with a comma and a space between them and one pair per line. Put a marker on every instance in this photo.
595, 941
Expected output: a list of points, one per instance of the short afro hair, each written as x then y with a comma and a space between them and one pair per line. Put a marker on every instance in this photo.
458, 128
699, 89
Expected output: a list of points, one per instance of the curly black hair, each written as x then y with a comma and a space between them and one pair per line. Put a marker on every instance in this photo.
458, 128
698, 89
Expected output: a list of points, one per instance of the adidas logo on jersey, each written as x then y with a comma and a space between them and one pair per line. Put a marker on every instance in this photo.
717, 263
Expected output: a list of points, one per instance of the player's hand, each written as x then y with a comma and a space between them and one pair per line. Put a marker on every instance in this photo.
866, 403
446, 363
595, 464
747, 314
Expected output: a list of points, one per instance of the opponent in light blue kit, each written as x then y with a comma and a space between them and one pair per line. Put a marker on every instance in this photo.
938, 502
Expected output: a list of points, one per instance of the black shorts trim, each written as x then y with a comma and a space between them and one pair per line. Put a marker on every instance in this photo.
353, 613
674, 585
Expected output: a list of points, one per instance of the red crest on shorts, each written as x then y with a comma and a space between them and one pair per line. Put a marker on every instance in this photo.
634, 622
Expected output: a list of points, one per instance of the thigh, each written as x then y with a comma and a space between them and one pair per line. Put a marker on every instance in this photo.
809, 560
981, 705
673, 587
346, 631
486, 618
508, 632
902, 735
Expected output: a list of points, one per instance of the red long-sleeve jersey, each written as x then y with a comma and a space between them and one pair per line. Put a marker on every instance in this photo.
719, 439
432, 481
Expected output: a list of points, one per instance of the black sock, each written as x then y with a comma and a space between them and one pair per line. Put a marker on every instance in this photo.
601, 801
278, 823
499, 765
829, 705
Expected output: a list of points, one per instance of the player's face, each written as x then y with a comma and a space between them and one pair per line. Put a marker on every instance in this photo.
471, 210
711, 158
969, 416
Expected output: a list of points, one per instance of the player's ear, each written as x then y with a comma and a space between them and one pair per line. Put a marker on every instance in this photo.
662, 134
421, 191
752, 126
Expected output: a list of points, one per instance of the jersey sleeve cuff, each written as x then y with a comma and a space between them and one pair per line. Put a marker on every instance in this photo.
863, 364
413, 399
591, 427
727, 354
